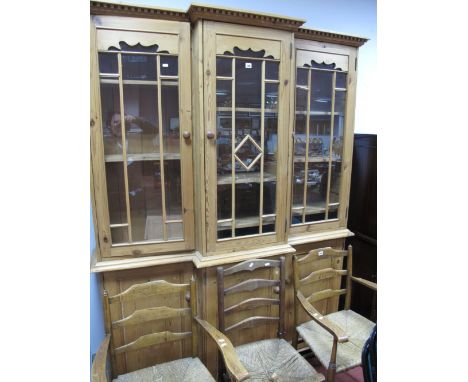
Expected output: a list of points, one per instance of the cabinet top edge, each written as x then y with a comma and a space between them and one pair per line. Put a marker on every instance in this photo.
199, 11
132, 10
299, 239
330, 37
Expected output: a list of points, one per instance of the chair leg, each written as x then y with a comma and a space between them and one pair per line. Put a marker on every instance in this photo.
331, 372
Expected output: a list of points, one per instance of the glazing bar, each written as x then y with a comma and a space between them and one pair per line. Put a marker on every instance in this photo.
124, 148
306, 167
161, 151
330, 146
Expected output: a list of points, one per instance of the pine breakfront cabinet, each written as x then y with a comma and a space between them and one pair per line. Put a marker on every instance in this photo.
217, 136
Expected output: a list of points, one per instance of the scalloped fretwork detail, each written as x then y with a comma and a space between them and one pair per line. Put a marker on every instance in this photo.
322, 65
138, 47
247, 53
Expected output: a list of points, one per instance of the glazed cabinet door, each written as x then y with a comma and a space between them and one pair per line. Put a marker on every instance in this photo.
246, 82
141, 143
323, 130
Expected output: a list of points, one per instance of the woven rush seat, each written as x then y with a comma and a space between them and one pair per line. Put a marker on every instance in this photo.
180, 370
276, 360
357, 328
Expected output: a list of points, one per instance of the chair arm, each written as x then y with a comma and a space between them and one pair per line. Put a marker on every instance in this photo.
231, 359
98, 370
365, 282
338, 334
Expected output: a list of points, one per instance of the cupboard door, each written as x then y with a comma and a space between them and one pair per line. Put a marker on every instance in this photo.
247, 72
145, 130
324, 102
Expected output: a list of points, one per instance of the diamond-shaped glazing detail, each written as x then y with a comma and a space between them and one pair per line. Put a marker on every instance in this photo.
248, 152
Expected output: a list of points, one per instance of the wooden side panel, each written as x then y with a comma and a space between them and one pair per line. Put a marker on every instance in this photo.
117, 282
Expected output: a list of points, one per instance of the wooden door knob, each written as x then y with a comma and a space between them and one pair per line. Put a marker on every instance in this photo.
210, 135
186, 134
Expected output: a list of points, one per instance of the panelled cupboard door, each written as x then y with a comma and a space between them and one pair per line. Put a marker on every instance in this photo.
247, 73
141, 143
325, 86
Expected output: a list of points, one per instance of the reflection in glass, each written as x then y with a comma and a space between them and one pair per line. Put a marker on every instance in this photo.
170, 119
141, 119
224, 143
271, 96
301, 76
248, 83
169, 65
223, 67
144, 185
138, 67
341, 80
321, 92
223, 93
108, 63
271, 70
111, 129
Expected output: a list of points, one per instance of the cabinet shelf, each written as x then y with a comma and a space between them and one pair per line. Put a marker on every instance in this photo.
246, 177
141, 157
246, 222
317, 209
246, 109
315, 159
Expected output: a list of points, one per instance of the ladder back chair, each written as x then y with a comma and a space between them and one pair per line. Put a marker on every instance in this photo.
337, 338
266, 359
189, 369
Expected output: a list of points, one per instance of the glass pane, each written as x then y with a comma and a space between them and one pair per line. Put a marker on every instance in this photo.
271, 70
138, 67
268, 224
340, 80
317, 176
223, 93
141, 119
170, 120
223, 146
224, 201
175, 231
224, 230
271, 96
108, 63
223, 67
144, 183
301, 100
301, 76
269, 198
337, 151
169, 65
111, 129
247, 206
119, 235
248, 83
321, 95
116, 193
173, 189
248, 128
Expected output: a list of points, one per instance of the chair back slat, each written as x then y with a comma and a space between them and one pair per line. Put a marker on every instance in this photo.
251, 265
250, 285
148, 289
321, 253
151, 314
322, 274
252, 303
324, 294
151, 340
252, 321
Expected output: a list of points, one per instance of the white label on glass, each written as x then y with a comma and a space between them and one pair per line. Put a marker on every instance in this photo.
320, 253
165, 65
248, 65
